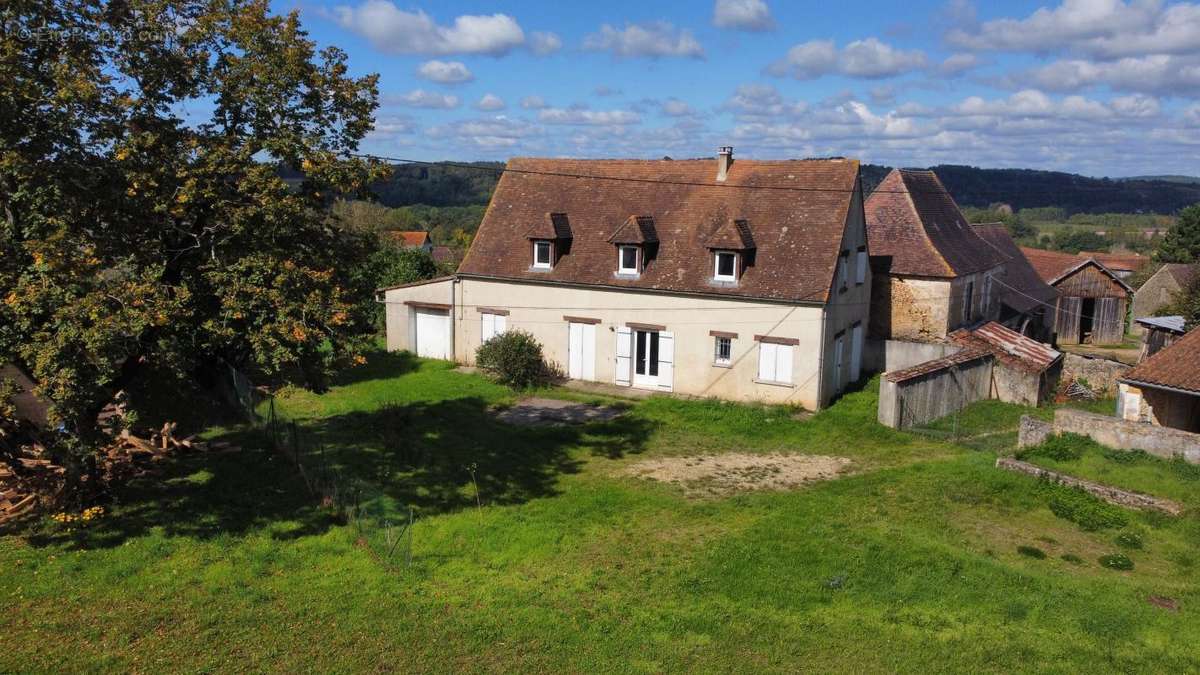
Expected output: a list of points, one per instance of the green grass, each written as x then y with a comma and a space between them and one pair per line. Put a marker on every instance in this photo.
912, 562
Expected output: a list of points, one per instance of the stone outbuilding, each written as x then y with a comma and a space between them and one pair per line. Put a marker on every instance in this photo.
1165, 388
1159, 290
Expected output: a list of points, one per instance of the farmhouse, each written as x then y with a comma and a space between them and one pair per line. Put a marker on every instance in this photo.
1165, 388
1027, 303
936, 274
1093, 300
1159, 290
744, 279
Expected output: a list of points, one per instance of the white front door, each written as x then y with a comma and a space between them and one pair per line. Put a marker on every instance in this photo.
856, 350
433, 333
581, 351
645, 358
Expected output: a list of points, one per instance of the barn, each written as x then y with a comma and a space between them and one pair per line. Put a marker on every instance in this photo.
1093, 301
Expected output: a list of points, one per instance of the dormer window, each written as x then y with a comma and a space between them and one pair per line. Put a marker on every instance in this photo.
543, 254
725, 266
629, 260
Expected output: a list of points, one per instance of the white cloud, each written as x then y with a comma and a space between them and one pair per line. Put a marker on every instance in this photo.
393, 30
420, 98
445, 72
674, 107
869, 59
492, 133
1160, 74
580, 116
542, 43
490, 102
533, 103
391, 127
760, 100
956, 64
1192, 115
751, 15
1103, 29
650, 40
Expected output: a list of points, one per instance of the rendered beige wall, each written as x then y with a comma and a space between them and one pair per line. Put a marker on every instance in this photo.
398, 316
539, 309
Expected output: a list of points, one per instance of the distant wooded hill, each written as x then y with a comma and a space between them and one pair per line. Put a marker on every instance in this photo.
463, 184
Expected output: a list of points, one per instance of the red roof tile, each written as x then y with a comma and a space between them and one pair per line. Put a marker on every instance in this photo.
1177, 366
798, 219
410, 238
1052, 265
1022, 288
1125, 262
912, 218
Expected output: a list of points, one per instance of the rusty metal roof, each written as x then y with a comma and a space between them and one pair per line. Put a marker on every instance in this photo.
1009, 346
958, 358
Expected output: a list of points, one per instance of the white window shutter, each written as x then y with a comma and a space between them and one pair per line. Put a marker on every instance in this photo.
487, 327
860, 268
624, 360
589, 351
501, 323
783, 363
838, 345
766, 361
666, 360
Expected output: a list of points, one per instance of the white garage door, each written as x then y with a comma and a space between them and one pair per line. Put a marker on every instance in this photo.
433, 333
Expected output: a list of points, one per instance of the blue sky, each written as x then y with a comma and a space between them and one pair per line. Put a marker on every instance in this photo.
1100, 87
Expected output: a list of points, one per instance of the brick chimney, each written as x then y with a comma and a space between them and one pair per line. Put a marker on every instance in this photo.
724, 161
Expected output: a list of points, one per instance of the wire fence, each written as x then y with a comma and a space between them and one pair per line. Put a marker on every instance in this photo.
388, 538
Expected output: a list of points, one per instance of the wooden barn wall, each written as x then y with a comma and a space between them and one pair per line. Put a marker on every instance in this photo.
1108, 325
1090, 282
1068, 320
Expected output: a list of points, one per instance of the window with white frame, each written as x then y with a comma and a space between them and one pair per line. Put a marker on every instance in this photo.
493, 324
543, 254
629, 260
725, 266
843, 272
860, 266
723, 350
775, 362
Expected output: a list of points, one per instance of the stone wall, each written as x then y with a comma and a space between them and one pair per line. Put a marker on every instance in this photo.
1101, 374
1115, 433
1112, 495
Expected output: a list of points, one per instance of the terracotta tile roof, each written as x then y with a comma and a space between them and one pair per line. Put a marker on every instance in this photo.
961, 357
1009, 346
444, 254
1125, 262
797, 232
1177, 366
733, 235
635, 230
410, 238
553, 226
1022, 288
912, 218
1183, 274
1052, 265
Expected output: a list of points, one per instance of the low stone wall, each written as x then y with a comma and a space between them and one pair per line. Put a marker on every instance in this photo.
1115, 433
1101, 374
1112, 495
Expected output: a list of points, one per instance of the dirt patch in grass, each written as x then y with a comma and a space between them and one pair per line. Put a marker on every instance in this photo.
728, 473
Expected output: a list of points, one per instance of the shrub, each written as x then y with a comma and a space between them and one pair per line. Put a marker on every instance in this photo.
515, 359
1086, 511
1129, 540
1064, 447
1116, 561
1185, 469
1125, 456
1072, 558
1032, 552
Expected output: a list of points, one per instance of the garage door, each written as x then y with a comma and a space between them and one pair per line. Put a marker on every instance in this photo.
433, 333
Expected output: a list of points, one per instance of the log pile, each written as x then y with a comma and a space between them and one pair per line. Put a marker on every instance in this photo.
28, 478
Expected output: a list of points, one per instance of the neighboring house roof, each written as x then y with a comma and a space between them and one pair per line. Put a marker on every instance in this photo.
1009, 346
1182, 274
1175, 324
444, 254
1125, 262
1174, 367
798, 219
410, 238
1053, 266
912, 218
1023, 289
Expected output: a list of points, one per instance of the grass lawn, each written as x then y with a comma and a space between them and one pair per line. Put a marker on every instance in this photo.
908, 563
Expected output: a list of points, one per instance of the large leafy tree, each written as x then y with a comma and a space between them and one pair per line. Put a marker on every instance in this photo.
1182, 242
142, 217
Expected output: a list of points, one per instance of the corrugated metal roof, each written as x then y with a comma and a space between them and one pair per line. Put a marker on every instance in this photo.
1009, 346
956, 359
1171, 323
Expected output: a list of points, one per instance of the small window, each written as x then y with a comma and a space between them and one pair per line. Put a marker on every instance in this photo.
725, 266
543, 255
627, 260
839, 341
968, 302
723, 351
843, 270
860, 266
